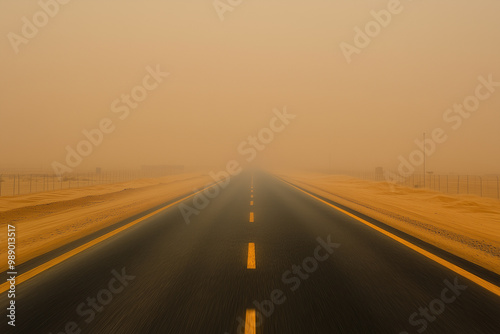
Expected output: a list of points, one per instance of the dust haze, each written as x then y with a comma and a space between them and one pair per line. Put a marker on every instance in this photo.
228, 79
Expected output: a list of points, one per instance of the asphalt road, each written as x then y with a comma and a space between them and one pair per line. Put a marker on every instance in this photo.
317, 270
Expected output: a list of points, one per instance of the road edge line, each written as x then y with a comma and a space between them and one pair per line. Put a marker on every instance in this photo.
462, 272
59, 259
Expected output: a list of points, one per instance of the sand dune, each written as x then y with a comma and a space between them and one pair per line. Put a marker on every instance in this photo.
468, 226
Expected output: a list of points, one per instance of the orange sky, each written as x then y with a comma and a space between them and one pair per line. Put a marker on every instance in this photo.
227, 76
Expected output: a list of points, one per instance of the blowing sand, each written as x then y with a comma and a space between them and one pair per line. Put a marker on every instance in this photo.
467, 226
48, 220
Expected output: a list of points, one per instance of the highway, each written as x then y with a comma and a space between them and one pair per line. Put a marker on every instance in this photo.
262, 257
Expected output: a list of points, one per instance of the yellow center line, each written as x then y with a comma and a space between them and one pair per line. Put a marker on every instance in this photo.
251, 196
250, 322
476, 279
251, 202
251, 256
251, 217
49, 264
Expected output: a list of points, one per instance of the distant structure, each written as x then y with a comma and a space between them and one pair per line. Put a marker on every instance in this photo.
160, 170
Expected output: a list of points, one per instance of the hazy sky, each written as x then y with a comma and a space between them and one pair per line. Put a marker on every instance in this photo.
227, 76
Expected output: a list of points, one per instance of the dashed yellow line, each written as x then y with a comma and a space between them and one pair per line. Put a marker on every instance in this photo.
250, 322
250, 318
476, 279
49, 264
251, 256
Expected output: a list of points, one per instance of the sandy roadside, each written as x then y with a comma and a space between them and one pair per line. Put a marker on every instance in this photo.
46, 221
468, 226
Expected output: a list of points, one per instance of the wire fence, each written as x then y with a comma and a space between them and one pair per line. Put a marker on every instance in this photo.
484, 186
14, 184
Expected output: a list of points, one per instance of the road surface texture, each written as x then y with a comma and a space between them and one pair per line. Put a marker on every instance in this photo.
260, 257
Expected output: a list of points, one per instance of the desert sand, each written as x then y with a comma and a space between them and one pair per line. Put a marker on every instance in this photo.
47, 220
467, 226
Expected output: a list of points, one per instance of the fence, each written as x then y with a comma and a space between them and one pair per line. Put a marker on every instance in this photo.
19, 184
484, 186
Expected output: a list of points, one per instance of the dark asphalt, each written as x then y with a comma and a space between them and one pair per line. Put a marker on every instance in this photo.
193, 278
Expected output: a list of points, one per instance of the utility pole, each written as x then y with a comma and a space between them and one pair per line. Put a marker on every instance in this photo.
423, 148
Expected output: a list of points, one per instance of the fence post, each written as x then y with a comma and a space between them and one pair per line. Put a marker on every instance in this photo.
467, 184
